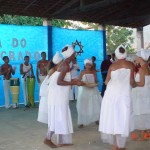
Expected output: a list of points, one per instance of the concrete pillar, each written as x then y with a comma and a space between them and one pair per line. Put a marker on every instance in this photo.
101, 27
140, 38
47, 22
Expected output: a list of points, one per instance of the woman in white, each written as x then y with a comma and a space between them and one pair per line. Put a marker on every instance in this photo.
141, 95
116, 103
59, 116
89, 99
43, 105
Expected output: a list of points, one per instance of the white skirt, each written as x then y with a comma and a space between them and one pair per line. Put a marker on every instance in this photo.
59, 119
43, 110
88, 105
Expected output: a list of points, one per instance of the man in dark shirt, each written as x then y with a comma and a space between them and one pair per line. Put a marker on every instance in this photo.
104, 69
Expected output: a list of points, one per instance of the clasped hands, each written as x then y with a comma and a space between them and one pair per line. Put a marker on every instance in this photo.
77, 82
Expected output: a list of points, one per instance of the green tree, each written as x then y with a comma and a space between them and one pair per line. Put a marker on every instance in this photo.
20, 20
118, 35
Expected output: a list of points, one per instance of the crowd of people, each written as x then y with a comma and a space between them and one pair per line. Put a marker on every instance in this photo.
26, 71
122, 107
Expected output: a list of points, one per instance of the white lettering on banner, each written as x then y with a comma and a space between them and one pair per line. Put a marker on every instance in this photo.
13, 56
3, 53
23, 43
20, 57
28, 54
15, 43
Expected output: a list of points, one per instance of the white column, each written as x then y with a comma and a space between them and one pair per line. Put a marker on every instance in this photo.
140, 38
47, 22
101, 27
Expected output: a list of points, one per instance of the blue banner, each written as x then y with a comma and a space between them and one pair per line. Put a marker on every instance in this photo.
18, 41
92, 41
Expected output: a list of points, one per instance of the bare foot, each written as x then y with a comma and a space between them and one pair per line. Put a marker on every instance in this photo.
60, 145
114, 147
50, 143
81, 126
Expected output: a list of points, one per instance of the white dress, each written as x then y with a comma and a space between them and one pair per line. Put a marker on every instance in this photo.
59, 115
115, 113
88, 102
141, 105
43, 104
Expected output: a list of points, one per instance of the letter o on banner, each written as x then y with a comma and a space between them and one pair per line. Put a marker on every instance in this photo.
23, 43
36, 55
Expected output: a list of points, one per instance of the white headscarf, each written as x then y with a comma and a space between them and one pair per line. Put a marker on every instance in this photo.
88, 61
120, 55
143, 53
57, 58
70, 50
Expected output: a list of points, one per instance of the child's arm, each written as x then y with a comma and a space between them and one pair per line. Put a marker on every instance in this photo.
80, 76
142, 78
108, 76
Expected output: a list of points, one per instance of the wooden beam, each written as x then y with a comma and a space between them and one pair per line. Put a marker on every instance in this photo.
82, 3
129, 20
52, 6
69, 4
28, 6
99, 5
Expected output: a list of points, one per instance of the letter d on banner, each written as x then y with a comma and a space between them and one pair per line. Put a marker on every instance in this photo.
14, 42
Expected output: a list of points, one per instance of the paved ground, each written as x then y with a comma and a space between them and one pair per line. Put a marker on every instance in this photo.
19, 130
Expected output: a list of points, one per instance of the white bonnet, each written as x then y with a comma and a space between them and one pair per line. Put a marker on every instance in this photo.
120, 55
88, 61
57, 58
143, 53
70, 50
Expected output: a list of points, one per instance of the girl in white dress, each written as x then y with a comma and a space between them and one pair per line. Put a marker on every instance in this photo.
116, 103
43, 104
59, 115
89, 99
141, 96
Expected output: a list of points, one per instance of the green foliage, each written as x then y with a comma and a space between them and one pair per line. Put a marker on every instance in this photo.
60, 23
118, 35
21, 20
114, 35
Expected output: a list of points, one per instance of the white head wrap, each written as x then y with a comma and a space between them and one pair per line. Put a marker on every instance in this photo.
70, 50
143, 53
88, 61
120, 55
57, 58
